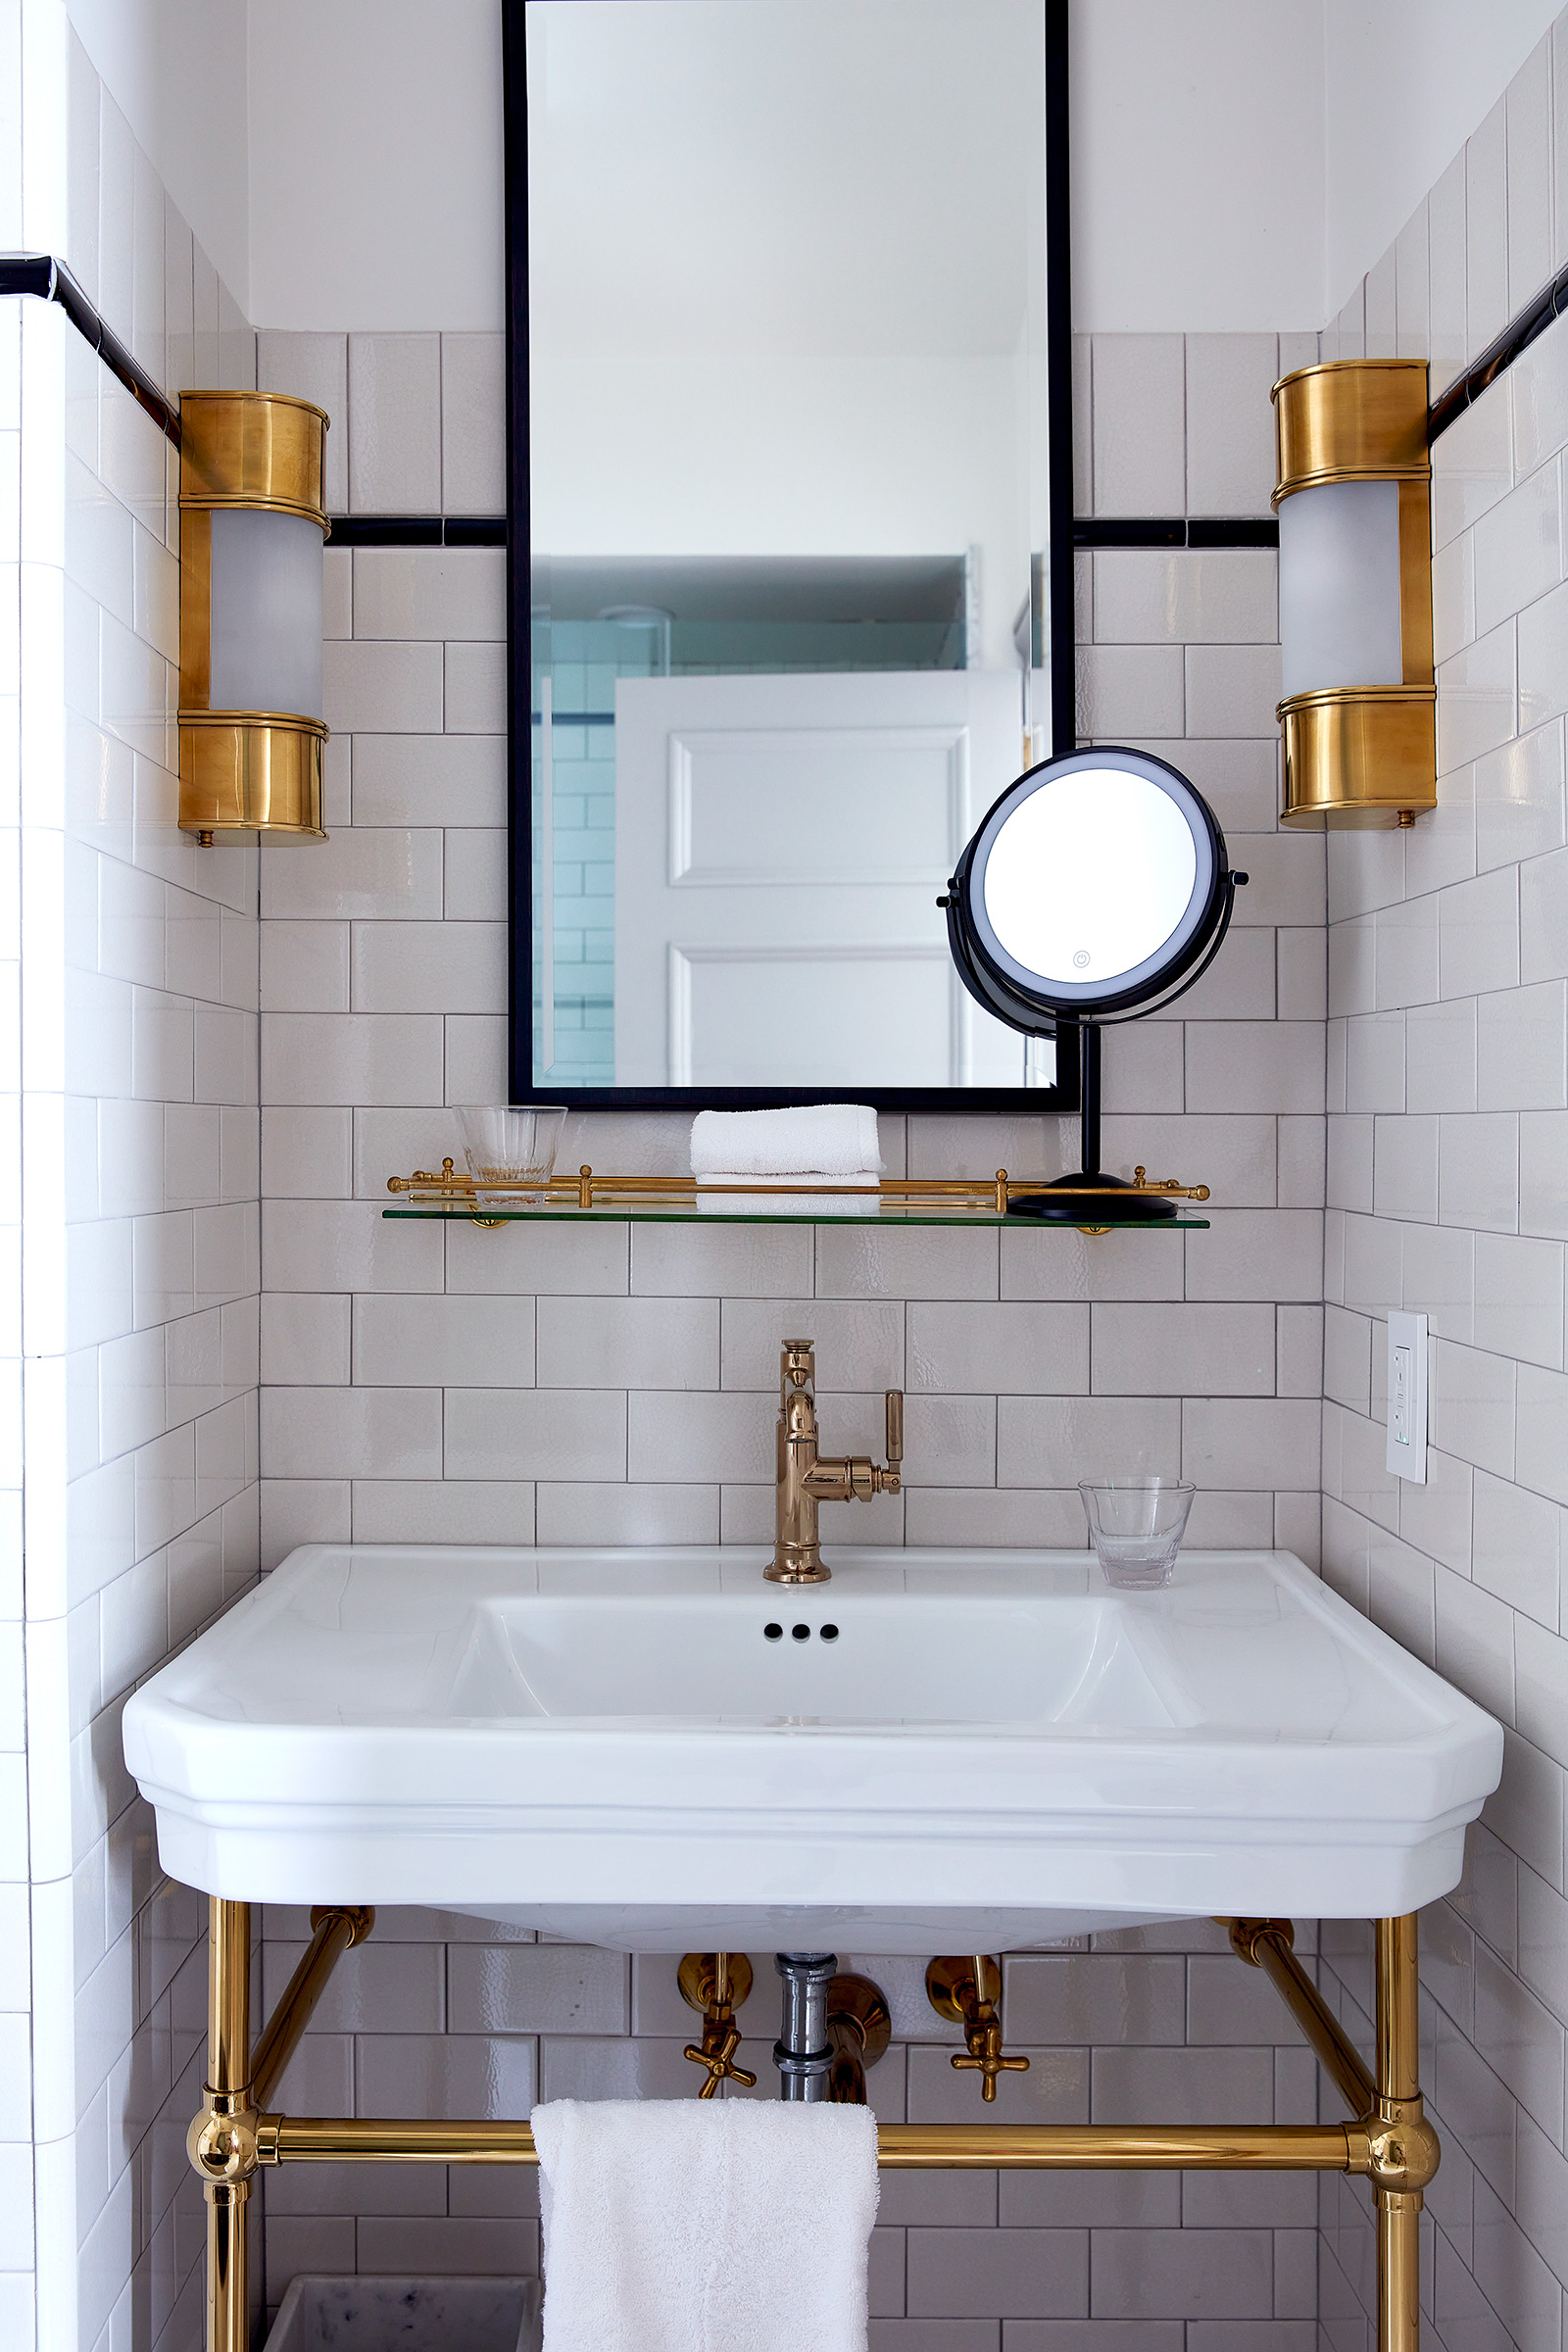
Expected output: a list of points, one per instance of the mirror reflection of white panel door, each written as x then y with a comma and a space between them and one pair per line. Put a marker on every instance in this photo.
780, 846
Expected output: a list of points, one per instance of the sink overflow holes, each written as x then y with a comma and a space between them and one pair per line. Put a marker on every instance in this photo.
799, 1633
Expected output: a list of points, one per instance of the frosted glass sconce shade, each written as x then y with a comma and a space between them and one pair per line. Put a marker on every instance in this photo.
252, 528
265, 586
1340, 587
1354, 500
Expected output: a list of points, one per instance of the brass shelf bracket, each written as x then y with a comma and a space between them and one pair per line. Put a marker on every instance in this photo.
1389, 2142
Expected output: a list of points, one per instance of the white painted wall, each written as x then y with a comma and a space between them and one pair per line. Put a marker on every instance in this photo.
1198, 165
1237, 167
375, 163
176, 71
1409, 80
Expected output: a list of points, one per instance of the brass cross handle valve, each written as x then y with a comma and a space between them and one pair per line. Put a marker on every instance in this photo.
966, 1991
718, 1983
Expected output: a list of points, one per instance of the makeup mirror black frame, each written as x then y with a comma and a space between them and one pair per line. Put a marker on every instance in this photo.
1075, 1012
1060, 653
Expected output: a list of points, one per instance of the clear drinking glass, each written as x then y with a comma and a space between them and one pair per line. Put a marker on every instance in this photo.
511, 1147
1137, 1525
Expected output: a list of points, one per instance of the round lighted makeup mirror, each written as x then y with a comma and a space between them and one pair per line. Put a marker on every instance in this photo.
1096, 889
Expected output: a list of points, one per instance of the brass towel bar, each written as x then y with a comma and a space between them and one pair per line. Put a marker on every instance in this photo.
900, 2147
1389, 2140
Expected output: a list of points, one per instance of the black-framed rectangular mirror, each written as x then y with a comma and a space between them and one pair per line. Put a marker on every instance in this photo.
790, 514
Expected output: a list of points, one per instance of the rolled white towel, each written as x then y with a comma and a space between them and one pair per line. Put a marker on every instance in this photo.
777, 1201
681, 2226
817, 1139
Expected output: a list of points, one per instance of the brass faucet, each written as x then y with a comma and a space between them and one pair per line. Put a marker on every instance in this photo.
807, 1478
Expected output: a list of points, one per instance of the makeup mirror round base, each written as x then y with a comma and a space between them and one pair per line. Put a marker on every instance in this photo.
1127, 1204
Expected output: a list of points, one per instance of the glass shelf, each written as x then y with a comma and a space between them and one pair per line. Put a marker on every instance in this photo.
590, 1198
677, 1213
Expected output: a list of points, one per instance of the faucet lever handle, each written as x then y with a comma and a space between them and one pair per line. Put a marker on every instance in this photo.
895, 1428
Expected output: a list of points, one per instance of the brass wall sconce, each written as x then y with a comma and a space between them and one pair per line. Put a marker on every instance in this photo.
252, 526
1353, 495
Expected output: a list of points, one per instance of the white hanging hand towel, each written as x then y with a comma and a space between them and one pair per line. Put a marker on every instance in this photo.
684, 2226
817, 1139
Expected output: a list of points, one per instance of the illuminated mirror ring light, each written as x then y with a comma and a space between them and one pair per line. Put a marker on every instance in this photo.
1096, 884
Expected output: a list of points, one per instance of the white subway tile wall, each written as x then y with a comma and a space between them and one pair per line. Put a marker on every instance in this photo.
130, 1127
612, 1386
619, 1385
1448, 958
18, 2171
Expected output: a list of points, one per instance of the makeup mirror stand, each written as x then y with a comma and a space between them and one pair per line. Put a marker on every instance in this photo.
1129, 1202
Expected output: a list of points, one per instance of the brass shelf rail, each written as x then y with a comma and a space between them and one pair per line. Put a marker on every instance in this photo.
1388, 2139
446, 1191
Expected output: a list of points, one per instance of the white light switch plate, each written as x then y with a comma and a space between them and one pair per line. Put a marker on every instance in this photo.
1407, 1397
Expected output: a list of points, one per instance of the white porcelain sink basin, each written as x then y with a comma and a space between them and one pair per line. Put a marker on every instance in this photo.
961, 1750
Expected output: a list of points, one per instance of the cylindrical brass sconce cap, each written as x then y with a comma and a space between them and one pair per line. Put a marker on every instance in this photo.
1360, 756
253, 449
248, 773
1348, 420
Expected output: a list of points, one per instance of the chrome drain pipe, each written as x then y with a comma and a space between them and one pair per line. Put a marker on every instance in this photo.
803, 2052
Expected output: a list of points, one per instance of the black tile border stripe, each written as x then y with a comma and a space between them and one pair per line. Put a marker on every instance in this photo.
1175, 531
41, 275
1499, 354
49, 281
418, 530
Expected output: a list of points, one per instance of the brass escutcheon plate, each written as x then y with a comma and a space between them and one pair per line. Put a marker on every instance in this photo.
697, 1979
951, 1986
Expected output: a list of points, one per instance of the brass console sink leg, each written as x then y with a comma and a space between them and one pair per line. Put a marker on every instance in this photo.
835, 2026
226, 2139
1392, 2143
1403, 2130
228, 2155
